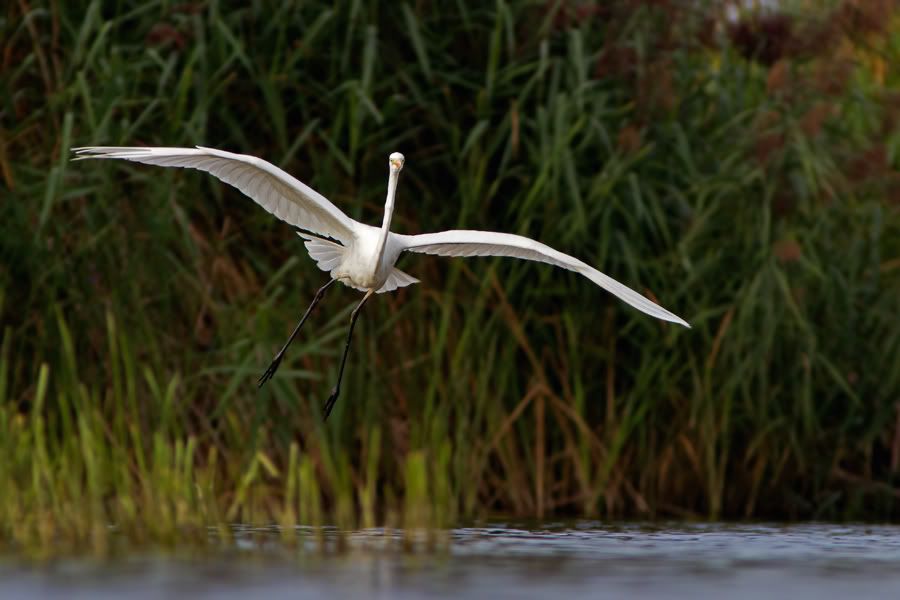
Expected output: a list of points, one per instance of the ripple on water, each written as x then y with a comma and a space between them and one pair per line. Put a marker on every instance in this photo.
588, 558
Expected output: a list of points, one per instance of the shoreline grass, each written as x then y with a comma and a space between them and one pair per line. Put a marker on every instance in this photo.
757, 199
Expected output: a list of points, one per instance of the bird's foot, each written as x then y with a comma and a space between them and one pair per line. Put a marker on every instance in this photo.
270, 372
329, 404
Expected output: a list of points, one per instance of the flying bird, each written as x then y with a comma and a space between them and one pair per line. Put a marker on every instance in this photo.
358, 255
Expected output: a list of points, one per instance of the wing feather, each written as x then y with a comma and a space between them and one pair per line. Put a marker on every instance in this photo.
282, 195
396, 279
490, 243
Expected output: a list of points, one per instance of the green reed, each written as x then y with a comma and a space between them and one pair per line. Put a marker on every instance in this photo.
140, 304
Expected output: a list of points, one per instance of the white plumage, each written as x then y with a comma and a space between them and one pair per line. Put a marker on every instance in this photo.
365, 257
287, 198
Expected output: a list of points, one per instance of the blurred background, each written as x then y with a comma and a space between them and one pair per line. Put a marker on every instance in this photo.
736, 161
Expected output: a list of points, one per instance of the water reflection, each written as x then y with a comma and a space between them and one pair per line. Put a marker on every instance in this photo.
502, 561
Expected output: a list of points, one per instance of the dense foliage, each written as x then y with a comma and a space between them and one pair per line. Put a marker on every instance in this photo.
740, 167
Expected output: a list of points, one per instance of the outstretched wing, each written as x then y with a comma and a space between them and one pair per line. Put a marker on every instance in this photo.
490, 243
282, 195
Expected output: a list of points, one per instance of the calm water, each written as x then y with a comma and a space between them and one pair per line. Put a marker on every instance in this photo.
592, 560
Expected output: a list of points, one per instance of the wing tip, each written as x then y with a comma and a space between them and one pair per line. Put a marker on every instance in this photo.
681, 322
107, 151
88, 152
664, 315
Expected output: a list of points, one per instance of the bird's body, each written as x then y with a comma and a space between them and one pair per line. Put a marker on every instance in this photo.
358, 255
360, 265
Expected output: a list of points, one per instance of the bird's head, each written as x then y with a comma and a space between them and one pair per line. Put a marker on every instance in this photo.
396, 161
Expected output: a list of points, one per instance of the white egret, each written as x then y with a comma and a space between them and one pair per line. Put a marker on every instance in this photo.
358, 255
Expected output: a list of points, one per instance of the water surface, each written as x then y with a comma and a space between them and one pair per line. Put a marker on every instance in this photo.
588, 559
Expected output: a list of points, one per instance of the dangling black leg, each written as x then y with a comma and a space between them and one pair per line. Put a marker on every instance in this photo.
270, 372
336, 390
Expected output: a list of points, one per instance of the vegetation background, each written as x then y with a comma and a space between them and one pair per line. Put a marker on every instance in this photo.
738, 164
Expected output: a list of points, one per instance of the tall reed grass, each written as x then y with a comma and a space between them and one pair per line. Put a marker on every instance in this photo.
745, 180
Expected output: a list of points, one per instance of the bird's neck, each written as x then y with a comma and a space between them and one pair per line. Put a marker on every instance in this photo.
388, 213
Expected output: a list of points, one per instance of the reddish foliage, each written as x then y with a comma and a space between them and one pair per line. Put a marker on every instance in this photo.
890, 102
811, 123
189, 8
656, 88
809, 61
163, 34
831, 76
778, 76
892, 189
629, 139
574, 14
787, 251
866, 16
871, 163
767, 145
783, 203
616, 60
765, 38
